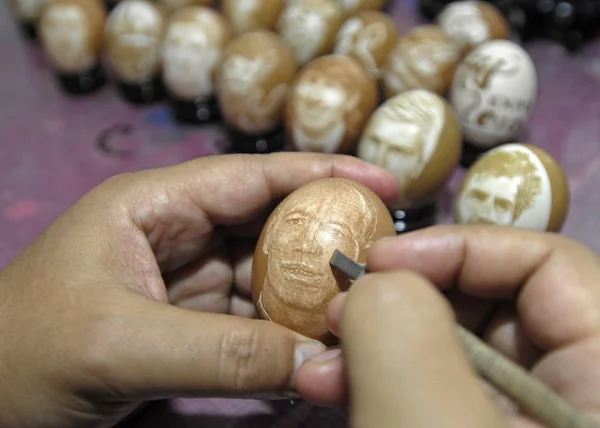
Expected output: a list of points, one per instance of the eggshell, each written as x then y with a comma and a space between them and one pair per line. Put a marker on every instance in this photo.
27, 10
71, 33
309, 27
132, 40
253, 81
471, 23
245, 15
368, 37
494, 91
516, 185
424, 59
353, 6
292, 280
192, 50
415, 136
329, 104
174, 5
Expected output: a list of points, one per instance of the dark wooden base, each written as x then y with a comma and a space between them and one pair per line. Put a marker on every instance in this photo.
265, 143
470, 154
415, 218
29, 30
201, 111
143, 92
83, 83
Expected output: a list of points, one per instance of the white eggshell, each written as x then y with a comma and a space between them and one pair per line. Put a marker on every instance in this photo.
494, 92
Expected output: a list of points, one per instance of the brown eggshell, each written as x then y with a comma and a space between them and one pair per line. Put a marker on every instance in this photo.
353, 6
253, 15
193, 46
174, 5
329, 104
516, 185
415, 136
132, 40
253, 81
368, 37
471, 23
71, 33
310, 27
424, 59
292, 280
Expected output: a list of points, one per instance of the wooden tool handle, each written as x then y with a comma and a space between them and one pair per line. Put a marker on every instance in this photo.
535, 398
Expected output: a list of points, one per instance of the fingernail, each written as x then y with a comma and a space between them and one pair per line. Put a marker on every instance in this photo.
325, 357
304, 351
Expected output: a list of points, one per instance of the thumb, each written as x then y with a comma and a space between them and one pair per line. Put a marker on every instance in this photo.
156, 351
405, 363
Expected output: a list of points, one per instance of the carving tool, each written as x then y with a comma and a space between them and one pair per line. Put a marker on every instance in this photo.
534, 398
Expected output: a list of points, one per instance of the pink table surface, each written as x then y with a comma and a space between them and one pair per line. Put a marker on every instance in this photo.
49, 157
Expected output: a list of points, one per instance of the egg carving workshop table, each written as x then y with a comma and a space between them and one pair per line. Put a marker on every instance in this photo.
55, 148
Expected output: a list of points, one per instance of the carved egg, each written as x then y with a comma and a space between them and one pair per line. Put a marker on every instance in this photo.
310, 27
175, 5
253, 81
71, 34
494, 91
415, 136
133, 39
423, 59
329, 104
368, 37
192, 50
515, 185
471, 23
292, 280
351, 7
245, 15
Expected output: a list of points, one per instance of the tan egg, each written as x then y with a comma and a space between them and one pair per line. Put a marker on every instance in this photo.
471, 23
329, 105
193, 47
369, 36
310, 27
174, 5
350, 7
292, 280
415, 136
253, 81
133, 39
516, 185
28, 10
245, 15
71, 34
424, 59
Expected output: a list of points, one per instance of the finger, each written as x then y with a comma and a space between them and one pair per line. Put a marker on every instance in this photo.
177, 207
393, 328
148, 350
554, 278
242, 254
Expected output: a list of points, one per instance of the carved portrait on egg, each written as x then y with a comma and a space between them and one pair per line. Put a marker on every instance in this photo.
471, 23
175, 5
250, 15
424, 59
309, 27
514, 185
330, 102
292, 280
133, 37
192, 50
71, 33
368, 36
494, 91
253, 81
352, 6
415, 136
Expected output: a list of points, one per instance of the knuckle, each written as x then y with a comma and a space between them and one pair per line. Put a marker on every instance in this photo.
240, 358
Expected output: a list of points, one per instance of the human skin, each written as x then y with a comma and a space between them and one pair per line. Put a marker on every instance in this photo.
533, 296
141, 291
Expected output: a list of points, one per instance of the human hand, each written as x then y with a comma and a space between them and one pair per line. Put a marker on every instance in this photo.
86, 328
534, 297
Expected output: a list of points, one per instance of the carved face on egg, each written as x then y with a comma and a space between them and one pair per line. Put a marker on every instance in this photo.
253, 81
310, 27
292, 280
352, 6
133, 37
415, 136
515, 185
175, 5
330, 102
250, 15
71, 33
192, 50
368, 36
